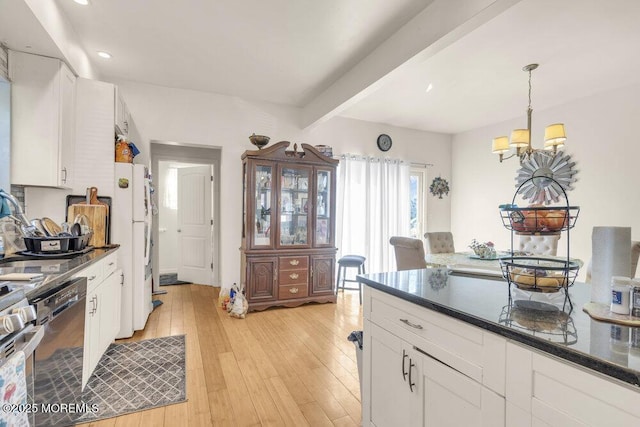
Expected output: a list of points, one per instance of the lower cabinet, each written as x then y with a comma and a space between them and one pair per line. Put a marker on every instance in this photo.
102, 319
289, 280
545, 391
410, 388
410, 374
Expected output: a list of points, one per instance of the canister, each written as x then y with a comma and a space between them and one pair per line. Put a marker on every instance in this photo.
635, 297
620, 295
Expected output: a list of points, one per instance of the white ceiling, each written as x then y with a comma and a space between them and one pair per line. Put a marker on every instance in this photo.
291, 51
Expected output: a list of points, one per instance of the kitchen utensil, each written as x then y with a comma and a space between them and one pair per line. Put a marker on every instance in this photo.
81, 200
38, 225
97, 219
76, 229
66, 230
50, 226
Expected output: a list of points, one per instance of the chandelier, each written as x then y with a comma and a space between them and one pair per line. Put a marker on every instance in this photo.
554, 136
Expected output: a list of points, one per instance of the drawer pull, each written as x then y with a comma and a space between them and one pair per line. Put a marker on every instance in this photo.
404, 356
411, 383
294, 262
294, 275
111, 263
92, 278
413, 325
293, 290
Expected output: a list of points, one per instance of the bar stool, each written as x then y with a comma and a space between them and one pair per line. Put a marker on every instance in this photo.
350, 261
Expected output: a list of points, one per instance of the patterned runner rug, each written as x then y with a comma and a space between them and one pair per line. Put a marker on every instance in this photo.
136, 376
171, 279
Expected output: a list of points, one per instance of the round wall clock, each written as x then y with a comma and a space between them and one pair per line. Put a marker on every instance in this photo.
384, 142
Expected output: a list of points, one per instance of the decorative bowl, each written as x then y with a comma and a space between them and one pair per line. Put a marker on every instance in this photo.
259, 140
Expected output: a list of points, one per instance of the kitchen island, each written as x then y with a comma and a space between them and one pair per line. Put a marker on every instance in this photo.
451, 350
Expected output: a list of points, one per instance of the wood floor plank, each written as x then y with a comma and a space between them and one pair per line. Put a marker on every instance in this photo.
276, 367
243, 408
315, 415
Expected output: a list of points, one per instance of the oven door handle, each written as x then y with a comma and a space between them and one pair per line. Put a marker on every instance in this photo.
35, 336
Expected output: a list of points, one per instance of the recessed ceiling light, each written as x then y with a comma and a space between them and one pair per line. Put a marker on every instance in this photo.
428, 89
82, 2
105, 55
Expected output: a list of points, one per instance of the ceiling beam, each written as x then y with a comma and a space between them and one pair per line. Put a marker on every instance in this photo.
439, 25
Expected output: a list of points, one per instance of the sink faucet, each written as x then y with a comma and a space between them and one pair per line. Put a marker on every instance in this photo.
28, 230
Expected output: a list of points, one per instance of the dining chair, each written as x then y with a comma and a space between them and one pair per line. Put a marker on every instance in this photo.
546, 244
439, 242
409, 253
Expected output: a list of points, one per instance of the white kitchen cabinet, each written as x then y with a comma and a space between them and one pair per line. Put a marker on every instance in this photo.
102, 321
544, 391
42, 121
122, 114
394, 400
422, 368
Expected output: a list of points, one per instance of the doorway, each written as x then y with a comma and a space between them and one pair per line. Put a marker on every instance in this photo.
186, 227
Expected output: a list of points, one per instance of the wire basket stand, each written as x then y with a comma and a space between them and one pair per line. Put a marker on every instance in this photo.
538, 279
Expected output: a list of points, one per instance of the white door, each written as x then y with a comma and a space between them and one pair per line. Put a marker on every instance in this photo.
195, 263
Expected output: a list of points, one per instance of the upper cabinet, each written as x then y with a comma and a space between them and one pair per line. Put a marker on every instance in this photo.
122, 115
42, 121
288, 245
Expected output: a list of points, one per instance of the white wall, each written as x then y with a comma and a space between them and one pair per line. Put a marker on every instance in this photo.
602, 139
213, 120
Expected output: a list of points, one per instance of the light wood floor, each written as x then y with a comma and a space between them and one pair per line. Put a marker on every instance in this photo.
289, 366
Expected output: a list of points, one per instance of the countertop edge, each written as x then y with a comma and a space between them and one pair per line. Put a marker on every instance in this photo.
627, 376
86, 260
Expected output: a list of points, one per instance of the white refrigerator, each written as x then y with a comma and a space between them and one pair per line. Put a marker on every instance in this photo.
131, 229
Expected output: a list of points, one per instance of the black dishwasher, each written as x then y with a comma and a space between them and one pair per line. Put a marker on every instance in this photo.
58, 358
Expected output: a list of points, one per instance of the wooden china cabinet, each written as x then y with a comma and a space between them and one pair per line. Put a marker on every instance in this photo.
288, 233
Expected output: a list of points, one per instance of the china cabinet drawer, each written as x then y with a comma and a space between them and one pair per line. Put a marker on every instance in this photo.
292, 277
293, 291
293, 262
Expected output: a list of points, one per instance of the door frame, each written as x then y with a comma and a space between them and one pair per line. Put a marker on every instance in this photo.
196, 154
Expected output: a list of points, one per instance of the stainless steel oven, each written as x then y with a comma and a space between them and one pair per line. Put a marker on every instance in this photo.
58, 358
22, 335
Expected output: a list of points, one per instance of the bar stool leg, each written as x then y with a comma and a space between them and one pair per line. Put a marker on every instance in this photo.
338, 280
360, 283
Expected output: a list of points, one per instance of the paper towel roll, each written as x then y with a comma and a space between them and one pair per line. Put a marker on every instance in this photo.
611, 256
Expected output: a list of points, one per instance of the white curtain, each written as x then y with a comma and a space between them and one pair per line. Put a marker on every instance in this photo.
373, 205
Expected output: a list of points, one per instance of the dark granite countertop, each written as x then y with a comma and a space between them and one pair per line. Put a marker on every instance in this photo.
610, 349
54, 272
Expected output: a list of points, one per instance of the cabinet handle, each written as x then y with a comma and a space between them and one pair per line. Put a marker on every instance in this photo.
413, 325
122, 279
411, 383
294, 275
294, 262
64, 179
91, 278
111, 263
293, 290
404, 356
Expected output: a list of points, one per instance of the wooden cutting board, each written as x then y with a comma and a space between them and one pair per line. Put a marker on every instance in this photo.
97, 215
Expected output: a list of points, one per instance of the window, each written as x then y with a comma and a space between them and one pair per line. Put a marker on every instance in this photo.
418, 212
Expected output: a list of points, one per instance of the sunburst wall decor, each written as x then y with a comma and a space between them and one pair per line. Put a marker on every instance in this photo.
542, 165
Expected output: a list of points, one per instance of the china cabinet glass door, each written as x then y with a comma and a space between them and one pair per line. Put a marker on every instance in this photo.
323, 208
263, 200
294, 206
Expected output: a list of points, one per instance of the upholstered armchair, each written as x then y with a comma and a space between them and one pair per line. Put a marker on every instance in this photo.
439, 242
539, 244
409, 253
